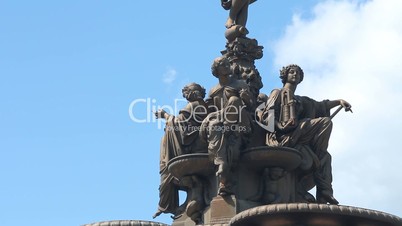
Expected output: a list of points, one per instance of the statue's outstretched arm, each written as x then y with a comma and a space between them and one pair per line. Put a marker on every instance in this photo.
333, 103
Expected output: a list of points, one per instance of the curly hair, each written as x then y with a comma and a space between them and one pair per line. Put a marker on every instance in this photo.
218, 62
193, 91
285, 71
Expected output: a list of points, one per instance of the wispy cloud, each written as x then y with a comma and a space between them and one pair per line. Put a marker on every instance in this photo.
353, 50
169, 76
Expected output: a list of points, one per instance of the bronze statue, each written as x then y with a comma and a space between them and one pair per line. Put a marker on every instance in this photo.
238, 11
219, 151
226, 128
302, 121
181, 137
237, 19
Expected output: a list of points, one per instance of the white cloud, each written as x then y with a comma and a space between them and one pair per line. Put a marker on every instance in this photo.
353, 50
169, 76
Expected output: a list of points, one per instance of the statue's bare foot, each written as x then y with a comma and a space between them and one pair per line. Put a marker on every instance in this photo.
327, 198
224, 191
229, 23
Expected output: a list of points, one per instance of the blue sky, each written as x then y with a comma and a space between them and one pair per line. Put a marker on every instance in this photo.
69, 152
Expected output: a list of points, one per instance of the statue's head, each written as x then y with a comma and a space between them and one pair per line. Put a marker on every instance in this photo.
284, 72
193, 91
221, 65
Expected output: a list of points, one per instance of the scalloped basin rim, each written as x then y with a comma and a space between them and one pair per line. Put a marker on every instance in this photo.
191, 164
259, 158
268, 148
187, 156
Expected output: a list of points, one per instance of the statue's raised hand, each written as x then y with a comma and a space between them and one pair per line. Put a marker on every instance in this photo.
160, 113
345, 105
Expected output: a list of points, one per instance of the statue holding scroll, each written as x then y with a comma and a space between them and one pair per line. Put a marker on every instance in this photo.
302, 121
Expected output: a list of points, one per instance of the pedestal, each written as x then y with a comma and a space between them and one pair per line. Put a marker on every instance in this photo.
223, 209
